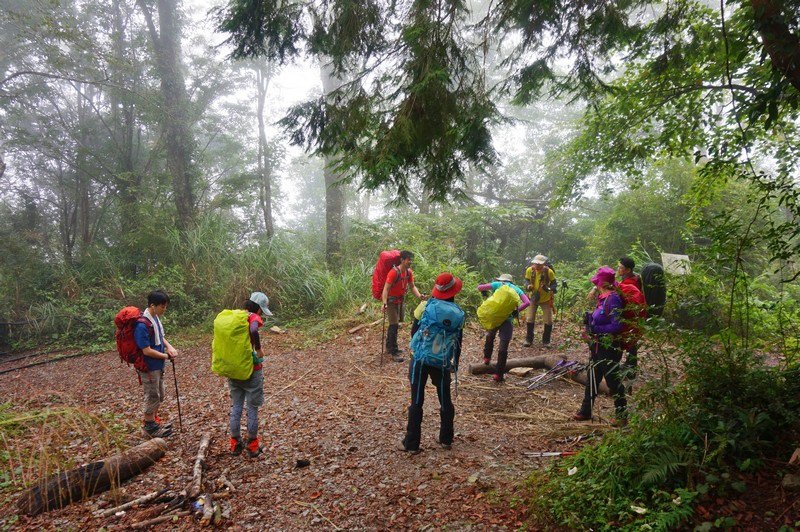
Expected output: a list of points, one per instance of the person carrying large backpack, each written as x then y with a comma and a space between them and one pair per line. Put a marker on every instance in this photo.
237, 354
436, 344
630, 287
603, 327
398, 281
149, 336
506, 328
540, 282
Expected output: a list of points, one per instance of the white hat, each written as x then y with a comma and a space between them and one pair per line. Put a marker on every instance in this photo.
539, 259
505, 277
261, 299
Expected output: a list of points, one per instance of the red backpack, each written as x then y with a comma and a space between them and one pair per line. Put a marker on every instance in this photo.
634, 311
126, 320
386, 261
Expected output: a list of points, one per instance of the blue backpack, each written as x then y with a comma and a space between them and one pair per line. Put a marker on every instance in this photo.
434, 342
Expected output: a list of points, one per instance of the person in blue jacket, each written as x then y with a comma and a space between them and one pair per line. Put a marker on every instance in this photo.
603, 327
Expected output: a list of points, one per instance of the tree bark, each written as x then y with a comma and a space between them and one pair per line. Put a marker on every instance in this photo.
334, 194
195, 486
781, 44
263, 75
62, 489
175, 120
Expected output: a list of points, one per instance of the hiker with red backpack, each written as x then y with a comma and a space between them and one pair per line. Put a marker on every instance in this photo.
630, 286
155, 349
603, 328
506, 328
399, 279
436, 337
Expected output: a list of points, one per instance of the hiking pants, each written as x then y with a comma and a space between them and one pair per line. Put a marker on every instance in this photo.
394, 313
251, 392
547, 312
605, 364
506, 332
418, 374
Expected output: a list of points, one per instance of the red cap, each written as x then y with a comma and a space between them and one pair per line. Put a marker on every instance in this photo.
447, 285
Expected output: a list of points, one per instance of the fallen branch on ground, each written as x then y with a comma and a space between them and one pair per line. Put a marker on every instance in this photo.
195, 486
364, 325
161, 519
130, 504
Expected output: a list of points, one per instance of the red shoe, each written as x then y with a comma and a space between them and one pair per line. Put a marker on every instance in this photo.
487, 360
160, 421
253, 449
236, 446
497, 378
580, 417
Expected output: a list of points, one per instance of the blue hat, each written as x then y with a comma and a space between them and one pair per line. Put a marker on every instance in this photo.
261, 299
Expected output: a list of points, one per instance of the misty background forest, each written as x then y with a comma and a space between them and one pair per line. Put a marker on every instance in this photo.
211, 149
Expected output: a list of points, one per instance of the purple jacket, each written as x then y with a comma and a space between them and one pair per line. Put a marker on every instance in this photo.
606, 317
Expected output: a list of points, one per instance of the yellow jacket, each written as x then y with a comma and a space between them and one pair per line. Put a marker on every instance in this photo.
534, 279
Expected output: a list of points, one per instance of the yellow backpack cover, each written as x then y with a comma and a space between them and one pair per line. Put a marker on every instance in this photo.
498, 307
231, 352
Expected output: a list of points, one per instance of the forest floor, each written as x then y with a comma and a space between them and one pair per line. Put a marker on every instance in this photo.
334, 405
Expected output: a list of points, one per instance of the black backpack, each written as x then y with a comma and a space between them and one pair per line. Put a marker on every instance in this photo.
554, 284
654, 286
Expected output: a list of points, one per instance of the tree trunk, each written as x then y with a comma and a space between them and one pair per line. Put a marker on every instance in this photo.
334, 194
177, 136
127, 179
62, 489
263, 75
781, 44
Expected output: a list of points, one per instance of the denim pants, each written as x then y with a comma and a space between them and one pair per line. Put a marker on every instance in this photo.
251, 392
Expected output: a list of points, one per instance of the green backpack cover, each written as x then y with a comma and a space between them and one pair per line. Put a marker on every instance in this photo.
498, 307
231, 352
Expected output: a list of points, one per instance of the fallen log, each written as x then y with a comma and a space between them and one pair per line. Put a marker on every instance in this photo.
62, 489
540, 362
195, 486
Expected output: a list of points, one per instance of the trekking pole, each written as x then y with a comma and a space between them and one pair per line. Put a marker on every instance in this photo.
177, 395
383, 335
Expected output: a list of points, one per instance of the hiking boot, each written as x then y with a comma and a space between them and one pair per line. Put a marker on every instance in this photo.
167, 425
397, 358
411, 451
487, 360
580, 416
236, 446
151, 429
497, 378
529, 335
548, 331
446, 446
253, 449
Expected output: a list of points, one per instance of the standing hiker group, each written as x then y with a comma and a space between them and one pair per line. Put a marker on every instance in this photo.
436, 341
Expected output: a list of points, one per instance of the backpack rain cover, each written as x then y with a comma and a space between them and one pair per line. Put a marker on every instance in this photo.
231, 352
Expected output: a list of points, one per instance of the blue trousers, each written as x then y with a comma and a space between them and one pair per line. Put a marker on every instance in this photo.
250, 392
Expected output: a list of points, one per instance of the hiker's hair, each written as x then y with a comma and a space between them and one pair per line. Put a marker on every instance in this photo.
250, 306
157, 297
627, 262
405, 254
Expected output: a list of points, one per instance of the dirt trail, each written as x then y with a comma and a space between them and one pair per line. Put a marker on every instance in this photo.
334, 405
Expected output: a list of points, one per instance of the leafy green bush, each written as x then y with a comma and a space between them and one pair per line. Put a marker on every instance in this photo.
728, 414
